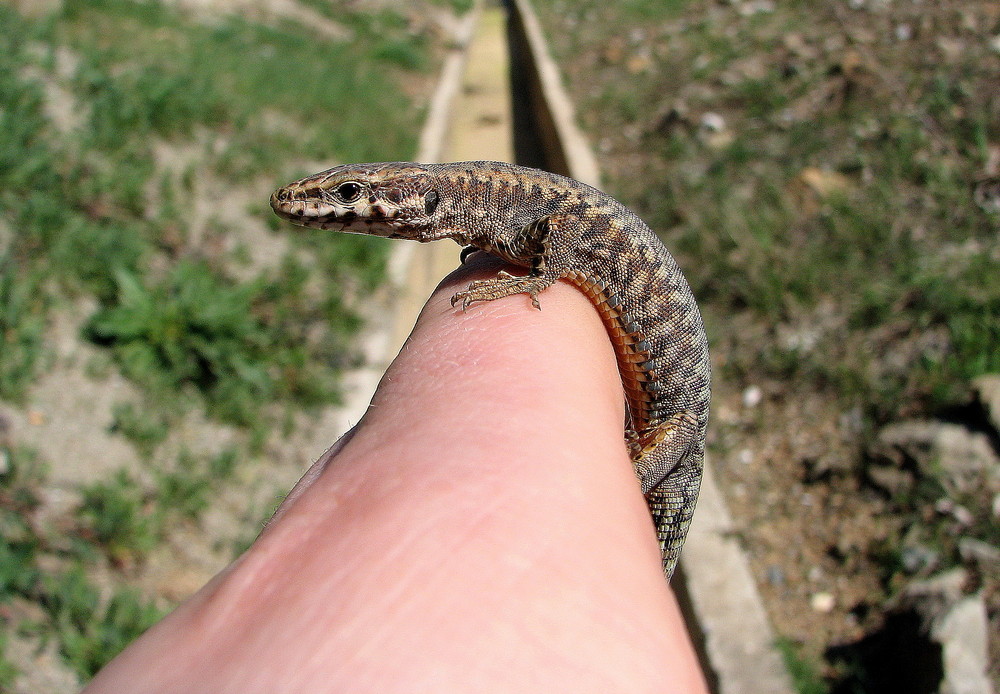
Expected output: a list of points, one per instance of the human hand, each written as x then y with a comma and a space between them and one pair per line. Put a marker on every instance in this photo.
480, 529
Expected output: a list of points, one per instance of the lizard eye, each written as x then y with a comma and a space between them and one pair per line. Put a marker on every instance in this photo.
349, 192
430, 201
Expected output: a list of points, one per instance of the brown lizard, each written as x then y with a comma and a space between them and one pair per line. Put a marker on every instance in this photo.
557, 228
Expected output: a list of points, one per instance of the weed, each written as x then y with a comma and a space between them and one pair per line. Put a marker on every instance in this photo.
806, 677
193, 328
8, 672
22, 326
185, 491
89, 636
117, 516
19, 543
142, 424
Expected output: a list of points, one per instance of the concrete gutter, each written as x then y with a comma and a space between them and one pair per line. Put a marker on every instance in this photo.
566, 149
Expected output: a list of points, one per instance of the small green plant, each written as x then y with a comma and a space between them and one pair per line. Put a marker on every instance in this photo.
116, 515
22, 325
187, 490
194, 328
90, 635
806, 677
8, 672
141, 424
19, 543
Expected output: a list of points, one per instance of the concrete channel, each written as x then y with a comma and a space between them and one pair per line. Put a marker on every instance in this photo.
500, 97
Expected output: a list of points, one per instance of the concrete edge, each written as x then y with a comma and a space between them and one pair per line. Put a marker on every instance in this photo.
717, 590
554, 111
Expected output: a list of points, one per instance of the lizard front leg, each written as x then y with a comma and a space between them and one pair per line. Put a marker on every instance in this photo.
530, 246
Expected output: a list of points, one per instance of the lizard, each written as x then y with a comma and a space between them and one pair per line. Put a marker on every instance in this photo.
558, 229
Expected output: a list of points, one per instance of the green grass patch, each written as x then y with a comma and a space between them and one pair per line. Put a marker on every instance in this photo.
254, 96
117, 516
188, 490
8, 672
23, 307
806, 677
90, 634
142, 424
240, 345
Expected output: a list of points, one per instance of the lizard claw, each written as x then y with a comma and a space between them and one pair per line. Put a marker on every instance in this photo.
504, 284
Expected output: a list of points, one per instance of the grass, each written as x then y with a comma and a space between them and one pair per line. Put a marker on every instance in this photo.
86, 221
143, 425
806, 675
119, 519
90, 635
22, 327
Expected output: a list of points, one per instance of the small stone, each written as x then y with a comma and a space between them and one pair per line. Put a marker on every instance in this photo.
752, 397
775, 575
748, 9
36, 418
713, 122
987, 388
904, 32
971, 549
822, 602
943, 588
918, 557
745, 456
824, 183
963, 632
948, 452
891, 480
947, 507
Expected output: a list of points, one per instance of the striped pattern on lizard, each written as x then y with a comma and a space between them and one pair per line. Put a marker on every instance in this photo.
559, 229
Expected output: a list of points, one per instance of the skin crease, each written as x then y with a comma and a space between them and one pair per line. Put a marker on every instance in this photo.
480, 529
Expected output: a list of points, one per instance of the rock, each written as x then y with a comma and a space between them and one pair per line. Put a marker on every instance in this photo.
987, 389
713, 122
917, 558
959, 513
824, 183
959, 624
957, 457
962, 632
713, 130
775, 575
973, 550
891, 480
752, 396
931, 596
822, 602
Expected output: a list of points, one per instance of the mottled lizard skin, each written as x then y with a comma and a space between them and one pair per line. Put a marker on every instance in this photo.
557, 228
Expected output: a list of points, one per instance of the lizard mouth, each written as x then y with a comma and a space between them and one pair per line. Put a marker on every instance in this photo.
365, 218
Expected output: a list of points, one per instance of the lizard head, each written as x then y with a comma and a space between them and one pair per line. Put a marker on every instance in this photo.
394, 200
